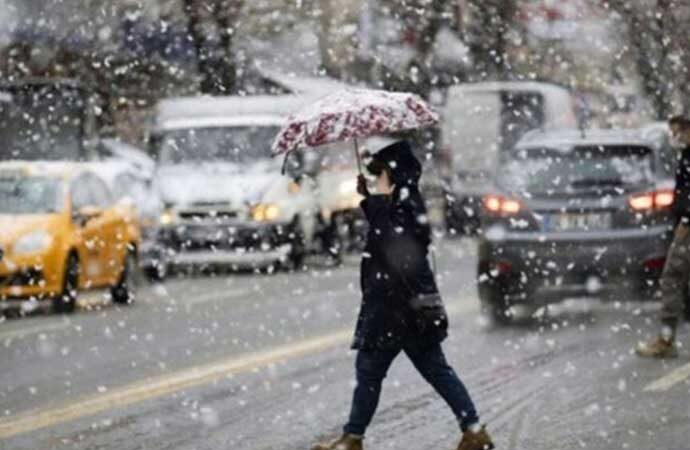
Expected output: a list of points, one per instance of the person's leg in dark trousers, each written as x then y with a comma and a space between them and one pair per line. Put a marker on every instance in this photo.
371, 367
674, 282
431, 363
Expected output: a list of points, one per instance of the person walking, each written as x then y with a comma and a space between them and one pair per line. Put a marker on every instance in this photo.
676, 274
394, 271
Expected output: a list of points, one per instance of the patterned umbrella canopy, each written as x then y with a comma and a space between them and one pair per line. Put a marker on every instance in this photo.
352, 114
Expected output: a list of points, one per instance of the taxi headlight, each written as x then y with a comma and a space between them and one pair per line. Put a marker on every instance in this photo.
265, 212
32, 242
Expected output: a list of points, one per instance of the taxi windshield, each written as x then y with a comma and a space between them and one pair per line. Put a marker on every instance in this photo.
30, 195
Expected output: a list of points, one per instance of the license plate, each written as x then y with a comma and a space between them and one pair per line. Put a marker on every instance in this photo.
205, 234
578, 222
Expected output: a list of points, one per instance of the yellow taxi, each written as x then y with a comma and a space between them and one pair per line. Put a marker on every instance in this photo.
61, 233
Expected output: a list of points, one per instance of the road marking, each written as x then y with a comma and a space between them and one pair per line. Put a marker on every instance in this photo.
668, 381
22, 332
155, 387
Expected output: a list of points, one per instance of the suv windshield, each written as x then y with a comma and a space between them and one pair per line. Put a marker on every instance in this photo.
544, 170
30, 195
240, 144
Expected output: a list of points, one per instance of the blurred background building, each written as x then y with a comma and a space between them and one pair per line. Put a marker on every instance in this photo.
624, 62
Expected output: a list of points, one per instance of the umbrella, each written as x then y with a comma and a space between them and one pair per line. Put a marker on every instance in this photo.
351, 114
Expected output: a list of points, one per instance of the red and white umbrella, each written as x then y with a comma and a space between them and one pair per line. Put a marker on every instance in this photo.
352, 114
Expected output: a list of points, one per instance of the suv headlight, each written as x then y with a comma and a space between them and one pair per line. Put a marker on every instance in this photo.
265, 212
32, 242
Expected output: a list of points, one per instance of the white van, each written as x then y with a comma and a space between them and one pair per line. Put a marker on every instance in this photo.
225, 201
482, 119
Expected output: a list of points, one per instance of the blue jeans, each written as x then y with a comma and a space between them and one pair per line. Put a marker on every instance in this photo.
430, 362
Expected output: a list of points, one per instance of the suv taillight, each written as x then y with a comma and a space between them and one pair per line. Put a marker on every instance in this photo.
652, 200
496, 204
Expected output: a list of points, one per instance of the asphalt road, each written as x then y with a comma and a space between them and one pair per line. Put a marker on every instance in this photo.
258, 362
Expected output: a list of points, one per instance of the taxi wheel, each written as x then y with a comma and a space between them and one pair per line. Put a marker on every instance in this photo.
123, 291
66, 301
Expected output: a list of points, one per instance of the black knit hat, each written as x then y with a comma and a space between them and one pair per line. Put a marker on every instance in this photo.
401, 164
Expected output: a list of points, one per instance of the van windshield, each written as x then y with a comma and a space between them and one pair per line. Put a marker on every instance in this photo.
548, 171
237, 144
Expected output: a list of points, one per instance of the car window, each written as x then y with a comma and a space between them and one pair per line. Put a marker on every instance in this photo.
123, 186
129, 185
99, 192
89, 190
30, 195
80, 193
544, 171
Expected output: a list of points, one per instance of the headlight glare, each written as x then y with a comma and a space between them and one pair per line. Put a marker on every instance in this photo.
167, 218
265, 212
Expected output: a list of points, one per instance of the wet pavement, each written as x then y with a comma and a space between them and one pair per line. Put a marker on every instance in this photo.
258, 362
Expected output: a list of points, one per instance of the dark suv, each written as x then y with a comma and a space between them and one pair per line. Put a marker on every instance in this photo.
574, 214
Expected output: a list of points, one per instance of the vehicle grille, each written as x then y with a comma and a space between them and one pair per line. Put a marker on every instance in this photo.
29, 277
197, 237
207, 215
208, 211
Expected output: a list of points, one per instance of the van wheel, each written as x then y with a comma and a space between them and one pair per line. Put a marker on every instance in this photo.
157, 272
123, 291
298, 251
66, 301
333, 239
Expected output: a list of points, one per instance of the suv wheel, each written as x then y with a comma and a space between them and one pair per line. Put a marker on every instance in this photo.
494, 303
298, 251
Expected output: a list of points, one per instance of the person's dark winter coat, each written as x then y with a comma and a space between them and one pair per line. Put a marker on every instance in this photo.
395, 264
682, 194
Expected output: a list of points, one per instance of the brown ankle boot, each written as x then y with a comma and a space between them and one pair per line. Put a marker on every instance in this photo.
658, 348
345, 442
479, 440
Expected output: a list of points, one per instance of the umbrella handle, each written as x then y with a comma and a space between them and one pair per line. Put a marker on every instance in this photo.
283, 168
359, 159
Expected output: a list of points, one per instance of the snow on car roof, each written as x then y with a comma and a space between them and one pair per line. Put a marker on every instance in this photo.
566, 140
311, 86
226, 111
219, 121
59, 169
489, 86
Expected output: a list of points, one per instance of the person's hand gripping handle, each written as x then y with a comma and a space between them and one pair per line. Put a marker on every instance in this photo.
362, 186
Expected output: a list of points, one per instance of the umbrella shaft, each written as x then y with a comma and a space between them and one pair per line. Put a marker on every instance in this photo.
359, 160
